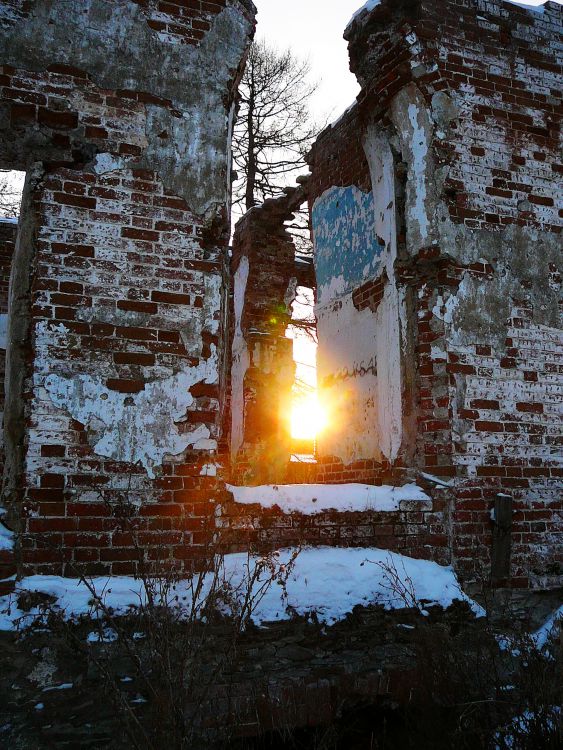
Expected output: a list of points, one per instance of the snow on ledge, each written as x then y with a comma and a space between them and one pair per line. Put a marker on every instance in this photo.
366, 8
329, 581
310, 499
525, 6
371, 4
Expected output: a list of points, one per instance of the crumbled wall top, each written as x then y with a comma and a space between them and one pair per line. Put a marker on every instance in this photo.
188, 87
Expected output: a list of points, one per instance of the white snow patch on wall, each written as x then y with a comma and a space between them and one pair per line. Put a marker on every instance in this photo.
137, 428
533, 8
310, 499
240, 358
328, 581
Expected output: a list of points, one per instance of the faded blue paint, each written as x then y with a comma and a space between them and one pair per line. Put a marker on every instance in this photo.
347, 250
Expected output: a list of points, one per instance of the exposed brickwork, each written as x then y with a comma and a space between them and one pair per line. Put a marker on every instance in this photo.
124, 331
506, 160
339, 149
71, 111
370, 294
417, 529
185, 21
481, 296
264, 312
8, 231
120, 316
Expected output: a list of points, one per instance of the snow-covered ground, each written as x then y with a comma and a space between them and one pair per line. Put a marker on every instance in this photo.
6, 536
315, 498
325, 580
542, 635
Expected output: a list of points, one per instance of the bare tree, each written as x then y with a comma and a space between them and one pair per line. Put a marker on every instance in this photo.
10, 195
274, 129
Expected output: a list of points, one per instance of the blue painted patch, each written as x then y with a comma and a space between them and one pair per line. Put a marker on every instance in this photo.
347, 250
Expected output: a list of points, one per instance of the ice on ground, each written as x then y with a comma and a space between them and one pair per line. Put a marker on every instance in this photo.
327, 581
316, 498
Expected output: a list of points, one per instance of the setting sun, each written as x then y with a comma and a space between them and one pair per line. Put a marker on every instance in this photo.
308, 417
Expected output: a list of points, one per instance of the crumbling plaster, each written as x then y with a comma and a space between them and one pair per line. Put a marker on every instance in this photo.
240, 357
140, 427
186, 142
356, 240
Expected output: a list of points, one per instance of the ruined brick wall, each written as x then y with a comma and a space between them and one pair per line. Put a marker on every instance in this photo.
465, 95
119, 296
338, 159
417, 528
8, 231
502, 343
264, 282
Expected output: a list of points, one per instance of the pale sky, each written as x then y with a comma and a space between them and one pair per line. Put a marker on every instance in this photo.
313, 29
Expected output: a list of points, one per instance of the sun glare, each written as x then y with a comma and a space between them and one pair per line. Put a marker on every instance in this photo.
308, 418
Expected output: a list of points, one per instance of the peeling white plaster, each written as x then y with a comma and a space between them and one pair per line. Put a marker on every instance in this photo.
212, 303
240, 358
389, 380
444, 310
205, 444
390, 319
346, 362
137, 428
107, 163
359, 355
208, 470
418, 166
